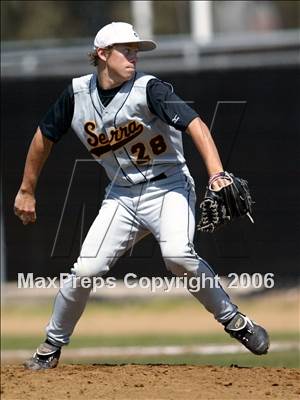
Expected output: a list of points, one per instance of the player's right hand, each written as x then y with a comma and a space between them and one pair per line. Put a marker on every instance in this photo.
24, 207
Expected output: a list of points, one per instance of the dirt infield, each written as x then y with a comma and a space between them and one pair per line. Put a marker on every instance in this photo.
149, 382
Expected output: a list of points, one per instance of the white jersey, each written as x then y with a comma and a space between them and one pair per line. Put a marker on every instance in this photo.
131, 143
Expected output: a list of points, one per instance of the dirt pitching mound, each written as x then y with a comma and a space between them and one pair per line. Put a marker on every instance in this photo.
141, 382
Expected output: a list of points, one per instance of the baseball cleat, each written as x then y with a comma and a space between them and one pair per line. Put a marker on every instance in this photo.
45, 357
247, 332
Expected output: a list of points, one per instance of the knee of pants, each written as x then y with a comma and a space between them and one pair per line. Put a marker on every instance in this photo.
90, 267
180, 259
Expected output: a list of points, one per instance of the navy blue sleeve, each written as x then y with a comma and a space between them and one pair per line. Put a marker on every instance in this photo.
163, 102
57, 121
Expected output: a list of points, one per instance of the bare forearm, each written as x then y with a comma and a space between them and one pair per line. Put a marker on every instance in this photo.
38, 153
24, 206
204, 143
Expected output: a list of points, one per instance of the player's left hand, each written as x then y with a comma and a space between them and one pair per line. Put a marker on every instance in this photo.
226, 198
219, 183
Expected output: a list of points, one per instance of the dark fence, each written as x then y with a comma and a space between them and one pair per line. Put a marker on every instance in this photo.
256, 127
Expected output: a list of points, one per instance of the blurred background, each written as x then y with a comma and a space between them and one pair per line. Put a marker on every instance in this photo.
237, 64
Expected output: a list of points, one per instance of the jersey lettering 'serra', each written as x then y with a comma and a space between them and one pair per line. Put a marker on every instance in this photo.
125, 137
117, 138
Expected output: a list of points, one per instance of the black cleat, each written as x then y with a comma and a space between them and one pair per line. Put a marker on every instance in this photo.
247, 332
45, 357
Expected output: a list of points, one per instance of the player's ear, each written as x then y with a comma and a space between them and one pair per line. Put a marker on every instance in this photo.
103, 54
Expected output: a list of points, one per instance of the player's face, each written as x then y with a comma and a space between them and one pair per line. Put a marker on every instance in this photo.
122, 60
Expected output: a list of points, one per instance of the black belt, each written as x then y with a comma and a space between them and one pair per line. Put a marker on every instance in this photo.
158, 177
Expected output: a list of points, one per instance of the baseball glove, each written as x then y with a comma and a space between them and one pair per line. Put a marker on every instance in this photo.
223, 206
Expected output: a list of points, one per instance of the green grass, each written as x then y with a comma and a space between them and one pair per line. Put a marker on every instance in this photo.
29, 342
287, 359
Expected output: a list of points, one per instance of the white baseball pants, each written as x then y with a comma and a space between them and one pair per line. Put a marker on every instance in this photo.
165, 208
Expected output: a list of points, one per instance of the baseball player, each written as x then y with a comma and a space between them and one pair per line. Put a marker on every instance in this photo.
132, 124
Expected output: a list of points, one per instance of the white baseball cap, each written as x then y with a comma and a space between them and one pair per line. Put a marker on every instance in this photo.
121, 32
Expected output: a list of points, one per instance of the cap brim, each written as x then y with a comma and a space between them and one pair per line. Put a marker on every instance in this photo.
144, 45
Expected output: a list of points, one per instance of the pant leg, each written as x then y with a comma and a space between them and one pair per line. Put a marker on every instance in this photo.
175, 233
113, 232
